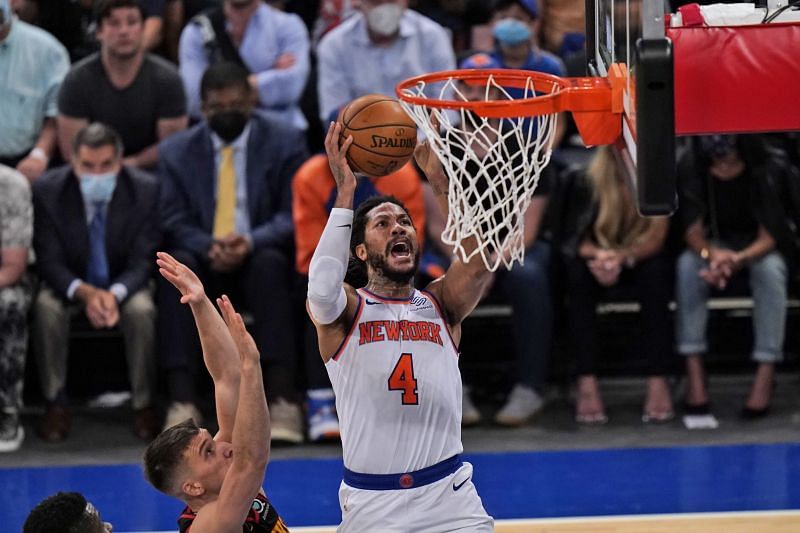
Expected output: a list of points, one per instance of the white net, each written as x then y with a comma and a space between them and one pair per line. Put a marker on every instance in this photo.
493, 165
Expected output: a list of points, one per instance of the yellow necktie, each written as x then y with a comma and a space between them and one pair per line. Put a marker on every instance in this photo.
225, 215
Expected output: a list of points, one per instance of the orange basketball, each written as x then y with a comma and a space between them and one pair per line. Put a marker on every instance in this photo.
384, 136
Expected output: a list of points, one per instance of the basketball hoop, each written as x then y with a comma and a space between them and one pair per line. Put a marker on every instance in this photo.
494, 148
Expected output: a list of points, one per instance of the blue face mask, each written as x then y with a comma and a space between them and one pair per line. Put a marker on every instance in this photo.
511, 32
98, 188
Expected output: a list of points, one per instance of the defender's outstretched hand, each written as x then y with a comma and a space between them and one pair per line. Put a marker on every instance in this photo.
248, 352
337, 157
182, 277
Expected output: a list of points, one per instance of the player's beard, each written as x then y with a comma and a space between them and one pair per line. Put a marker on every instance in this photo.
379, 264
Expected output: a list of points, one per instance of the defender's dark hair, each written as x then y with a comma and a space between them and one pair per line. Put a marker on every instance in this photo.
165, 454
103, 8
97, 135
63, 512
356, 268
223, 75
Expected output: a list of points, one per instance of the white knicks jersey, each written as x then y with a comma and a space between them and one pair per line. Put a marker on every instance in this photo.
398, 387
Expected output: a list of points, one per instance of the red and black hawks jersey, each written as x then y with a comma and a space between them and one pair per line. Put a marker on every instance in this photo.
262, 518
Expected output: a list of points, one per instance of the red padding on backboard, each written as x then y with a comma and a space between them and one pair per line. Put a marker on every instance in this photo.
736, 79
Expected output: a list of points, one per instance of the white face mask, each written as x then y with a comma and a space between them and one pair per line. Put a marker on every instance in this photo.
385, 19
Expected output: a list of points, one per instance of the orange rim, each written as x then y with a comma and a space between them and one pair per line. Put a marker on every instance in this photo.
596, 103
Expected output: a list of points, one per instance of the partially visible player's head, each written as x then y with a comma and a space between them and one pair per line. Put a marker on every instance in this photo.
65, 512
384, 241
185, 461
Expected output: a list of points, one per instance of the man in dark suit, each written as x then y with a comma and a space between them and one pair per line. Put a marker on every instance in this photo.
226, 211
95, 235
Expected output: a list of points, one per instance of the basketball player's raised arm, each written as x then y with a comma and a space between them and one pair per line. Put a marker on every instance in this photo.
251, 433
219, 350
331, 302
462, 286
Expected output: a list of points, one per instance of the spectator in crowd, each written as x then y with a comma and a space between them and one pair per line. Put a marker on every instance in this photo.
514, 26
96, 230
16, 233
32, 65
271, 45
730, 198
65, 511
563, 26
374, 50
314, 192
607, 244
72, 23
227, 214
137, 94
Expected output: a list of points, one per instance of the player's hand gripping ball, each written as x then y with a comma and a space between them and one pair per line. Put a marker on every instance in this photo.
384, 136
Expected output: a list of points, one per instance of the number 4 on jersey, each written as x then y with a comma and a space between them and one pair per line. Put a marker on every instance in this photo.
402, 378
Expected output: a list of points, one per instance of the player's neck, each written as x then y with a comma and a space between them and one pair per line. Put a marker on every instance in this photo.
388, 288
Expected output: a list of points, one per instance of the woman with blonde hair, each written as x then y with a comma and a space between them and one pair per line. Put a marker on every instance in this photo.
610, 244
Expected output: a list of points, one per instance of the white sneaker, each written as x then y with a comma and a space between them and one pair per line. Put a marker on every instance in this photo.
522, 404
286, 421
469, 413
11, 432
181, 411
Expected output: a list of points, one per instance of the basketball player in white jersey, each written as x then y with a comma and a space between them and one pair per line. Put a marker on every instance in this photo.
392, 355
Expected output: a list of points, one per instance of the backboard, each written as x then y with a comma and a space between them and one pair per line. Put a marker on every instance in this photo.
632, 32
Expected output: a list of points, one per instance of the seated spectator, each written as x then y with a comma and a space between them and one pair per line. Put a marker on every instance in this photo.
271, 45
32, 65
16, 233
374, 50
514, 25
65, 512
609, 244
96, 230
137, 94
314, 191
226, 209
730, 194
